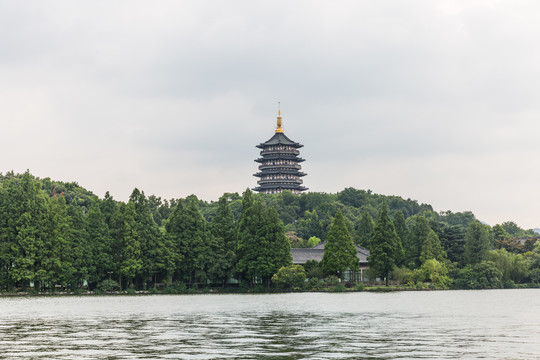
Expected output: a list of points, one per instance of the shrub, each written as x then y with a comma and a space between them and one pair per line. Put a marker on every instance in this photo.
153, 291
108, 285
483, 275
339, 288
313, 269
359, 287
402, 275
331, 281
176, 287
315, 284
130, 290
290, 277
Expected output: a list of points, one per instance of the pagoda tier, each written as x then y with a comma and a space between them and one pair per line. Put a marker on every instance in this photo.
280, 164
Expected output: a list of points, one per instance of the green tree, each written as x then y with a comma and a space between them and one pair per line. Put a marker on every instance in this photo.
80, 251
313, 241
482, 275
385, 247
154, 248
402, 230
278, 251
514, 267
339, 250
432, 248
434, 272
129, 261
223, 243
262, 247
452, 239
191, 237
290, 277
24, 214
535, 264
477, 243
310, 225
417, 236
100, 241
499, 233
55, 266
364, 230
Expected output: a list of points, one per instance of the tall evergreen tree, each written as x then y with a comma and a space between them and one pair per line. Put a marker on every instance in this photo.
25, 215
250, 234
452, 239
100, 242
402, 231
477, 243
222, 248
129, 259
190, 235
364, 230
339, 250
417, 236
432, 248
56, 259
385, 246
276, 252
80, 251
262, 247
149, 238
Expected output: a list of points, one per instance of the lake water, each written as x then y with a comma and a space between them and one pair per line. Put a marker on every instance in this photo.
489, 324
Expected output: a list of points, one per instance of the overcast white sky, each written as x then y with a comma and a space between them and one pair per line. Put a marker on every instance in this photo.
438, 101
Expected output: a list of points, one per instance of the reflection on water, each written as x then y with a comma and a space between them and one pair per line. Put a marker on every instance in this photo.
411, 325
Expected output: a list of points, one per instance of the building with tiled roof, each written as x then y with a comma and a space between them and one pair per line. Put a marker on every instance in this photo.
302, 255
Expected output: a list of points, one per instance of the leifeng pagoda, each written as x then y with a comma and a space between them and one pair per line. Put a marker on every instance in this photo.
280, 164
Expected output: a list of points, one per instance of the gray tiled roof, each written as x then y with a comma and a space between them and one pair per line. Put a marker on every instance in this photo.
279, 139
300, 256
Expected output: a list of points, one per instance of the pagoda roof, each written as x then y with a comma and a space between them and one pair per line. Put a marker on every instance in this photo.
279, 139
280, 186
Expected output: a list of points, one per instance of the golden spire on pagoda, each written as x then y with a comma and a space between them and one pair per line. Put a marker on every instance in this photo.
279, 128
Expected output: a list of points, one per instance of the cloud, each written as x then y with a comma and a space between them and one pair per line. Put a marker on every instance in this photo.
436, 101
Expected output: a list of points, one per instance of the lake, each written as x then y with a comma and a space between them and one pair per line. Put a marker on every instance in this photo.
488, 324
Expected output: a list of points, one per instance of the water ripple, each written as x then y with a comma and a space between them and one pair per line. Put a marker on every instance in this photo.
339, 326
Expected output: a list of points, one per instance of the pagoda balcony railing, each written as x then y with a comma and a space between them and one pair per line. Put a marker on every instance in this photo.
281, 181
280, 171
278, 167
285, 152
280, 157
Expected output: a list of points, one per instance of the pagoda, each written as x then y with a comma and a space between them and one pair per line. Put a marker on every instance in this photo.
280, 164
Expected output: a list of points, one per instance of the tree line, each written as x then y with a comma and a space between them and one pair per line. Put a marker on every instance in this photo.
60, 234
54, 234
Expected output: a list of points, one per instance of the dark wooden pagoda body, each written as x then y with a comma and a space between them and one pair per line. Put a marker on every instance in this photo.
280, 165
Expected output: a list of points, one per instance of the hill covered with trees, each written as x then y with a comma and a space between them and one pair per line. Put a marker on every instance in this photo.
57, 234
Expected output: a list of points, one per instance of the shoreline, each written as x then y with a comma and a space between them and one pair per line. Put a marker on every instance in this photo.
376, 289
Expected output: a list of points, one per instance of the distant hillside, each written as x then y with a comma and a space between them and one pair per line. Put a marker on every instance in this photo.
72, 192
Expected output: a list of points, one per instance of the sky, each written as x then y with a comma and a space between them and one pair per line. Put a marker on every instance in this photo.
437, 101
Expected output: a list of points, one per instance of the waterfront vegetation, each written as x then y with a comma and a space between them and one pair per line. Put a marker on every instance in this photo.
59, 237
